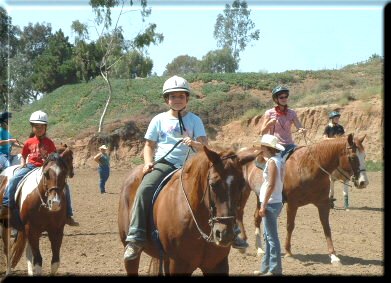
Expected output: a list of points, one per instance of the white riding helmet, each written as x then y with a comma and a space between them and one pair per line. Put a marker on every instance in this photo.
39, 117
176, 83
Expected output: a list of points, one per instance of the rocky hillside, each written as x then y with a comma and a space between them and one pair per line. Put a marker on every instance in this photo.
126, 142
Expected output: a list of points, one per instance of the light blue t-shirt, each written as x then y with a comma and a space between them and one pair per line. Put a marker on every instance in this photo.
6, 148
165, 131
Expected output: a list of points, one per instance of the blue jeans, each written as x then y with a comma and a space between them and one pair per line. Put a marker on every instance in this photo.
104, 173
68, 197
271, 260
288, 147
9, 197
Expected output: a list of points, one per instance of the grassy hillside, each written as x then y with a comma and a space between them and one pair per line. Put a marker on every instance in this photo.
75, 110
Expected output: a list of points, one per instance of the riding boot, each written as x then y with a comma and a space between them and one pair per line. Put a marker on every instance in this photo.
346, 202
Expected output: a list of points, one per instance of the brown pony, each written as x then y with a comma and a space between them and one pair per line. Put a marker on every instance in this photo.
307, 181
42, 205
194, 214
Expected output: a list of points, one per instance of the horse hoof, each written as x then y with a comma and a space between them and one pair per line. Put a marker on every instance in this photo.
260, 252
335, 260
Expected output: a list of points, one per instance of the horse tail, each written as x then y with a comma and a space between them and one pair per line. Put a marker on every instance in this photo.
18, 248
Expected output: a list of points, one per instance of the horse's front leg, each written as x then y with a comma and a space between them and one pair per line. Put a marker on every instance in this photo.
291, 212
222, 268
34, 258
324, 211
257, 225
55, 238
180, 267
6, 237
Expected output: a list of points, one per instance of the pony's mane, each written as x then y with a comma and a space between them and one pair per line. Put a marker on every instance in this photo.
323, 148
198, 164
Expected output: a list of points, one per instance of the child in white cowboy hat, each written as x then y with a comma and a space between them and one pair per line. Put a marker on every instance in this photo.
103, 159
270, 198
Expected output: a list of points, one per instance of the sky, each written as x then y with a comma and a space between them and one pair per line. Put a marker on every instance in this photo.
293, 34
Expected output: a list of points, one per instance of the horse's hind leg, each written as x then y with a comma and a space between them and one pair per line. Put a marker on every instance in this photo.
291, 212
324, 212
55, 238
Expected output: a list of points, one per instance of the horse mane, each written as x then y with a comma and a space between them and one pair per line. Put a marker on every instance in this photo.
196, 165
322, 149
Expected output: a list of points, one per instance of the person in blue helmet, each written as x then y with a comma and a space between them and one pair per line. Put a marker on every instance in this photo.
333, 128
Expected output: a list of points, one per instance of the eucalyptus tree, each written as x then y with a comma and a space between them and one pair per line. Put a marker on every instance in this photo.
234, 30
113, 45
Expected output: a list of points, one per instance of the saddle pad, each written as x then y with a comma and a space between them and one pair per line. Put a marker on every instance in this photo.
29, 182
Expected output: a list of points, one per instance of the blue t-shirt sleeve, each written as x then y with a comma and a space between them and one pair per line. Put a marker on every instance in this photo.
199, 129
152, 131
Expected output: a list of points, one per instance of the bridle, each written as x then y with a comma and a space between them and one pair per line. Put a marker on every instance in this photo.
212, 208
54, 158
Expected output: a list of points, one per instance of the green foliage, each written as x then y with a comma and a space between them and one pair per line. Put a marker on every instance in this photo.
182, 65
234, 29
374, 166
219, 61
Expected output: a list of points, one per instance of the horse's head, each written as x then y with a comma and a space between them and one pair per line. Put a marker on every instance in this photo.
226, 184
54, 174
67, 155
354, 162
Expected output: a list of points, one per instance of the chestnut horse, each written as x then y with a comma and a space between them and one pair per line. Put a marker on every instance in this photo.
194, 214
42, 205
307, 181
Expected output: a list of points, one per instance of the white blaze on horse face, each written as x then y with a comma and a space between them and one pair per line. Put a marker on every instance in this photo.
229, 182
363, 179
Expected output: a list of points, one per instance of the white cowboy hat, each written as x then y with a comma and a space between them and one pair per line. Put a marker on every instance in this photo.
103, 147
271, 141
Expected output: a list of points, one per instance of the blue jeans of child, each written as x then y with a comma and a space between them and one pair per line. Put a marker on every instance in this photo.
104, 173
9, 197
271, 260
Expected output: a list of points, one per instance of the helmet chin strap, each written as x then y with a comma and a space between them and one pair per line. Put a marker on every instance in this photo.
181, 124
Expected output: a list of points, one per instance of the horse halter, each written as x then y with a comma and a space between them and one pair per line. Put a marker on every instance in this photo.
353, 160
56, 201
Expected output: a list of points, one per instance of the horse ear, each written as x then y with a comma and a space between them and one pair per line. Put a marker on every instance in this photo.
362, 139
213, 156
350, 139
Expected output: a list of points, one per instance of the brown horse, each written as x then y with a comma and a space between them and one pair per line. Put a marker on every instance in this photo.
307, 181
42, 205
194, 213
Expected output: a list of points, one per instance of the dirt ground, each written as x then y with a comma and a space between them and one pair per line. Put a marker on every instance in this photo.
94, 248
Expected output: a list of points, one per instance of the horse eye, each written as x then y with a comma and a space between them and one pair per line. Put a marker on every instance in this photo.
46, 173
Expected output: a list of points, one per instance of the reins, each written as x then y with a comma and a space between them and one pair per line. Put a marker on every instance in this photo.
321, 168
212, 219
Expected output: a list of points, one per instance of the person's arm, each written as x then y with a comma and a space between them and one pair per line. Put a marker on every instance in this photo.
298, 125
273, 176
149, 153
97, 157
197, 144
267, 124
3, 142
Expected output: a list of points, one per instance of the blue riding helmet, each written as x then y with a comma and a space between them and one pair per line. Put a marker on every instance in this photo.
278, 90
334, 114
